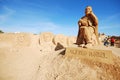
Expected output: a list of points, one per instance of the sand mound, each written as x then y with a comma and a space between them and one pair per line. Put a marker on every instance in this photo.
58, 67
26, 56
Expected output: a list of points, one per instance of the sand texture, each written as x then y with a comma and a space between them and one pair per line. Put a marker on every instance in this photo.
25, 56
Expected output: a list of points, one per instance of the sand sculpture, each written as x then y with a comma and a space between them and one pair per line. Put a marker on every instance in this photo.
15, 40
60, 39
46, 41
88, 29
46, 37
71, 40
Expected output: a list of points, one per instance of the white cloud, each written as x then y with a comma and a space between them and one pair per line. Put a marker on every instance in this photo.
111, 18
42, 27
110, 23
40, 5
57, 29
112, 29
7, 13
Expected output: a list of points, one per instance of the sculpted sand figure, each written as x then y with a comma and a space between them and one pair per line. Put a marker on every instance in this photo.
88, 29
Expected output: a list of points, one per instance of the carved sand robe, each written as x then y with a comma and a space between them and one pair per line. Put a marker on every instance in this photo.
88, 29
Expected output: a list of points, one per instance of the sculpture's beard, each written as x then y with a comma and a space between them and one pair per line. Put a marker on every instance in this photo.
87, 13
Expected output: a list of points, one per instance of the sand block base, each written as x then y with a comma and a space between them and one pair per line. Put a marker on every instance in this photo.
103, 56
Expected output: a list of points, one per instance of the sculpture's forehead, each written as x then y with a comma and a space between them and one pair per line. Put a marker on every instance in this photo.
89, 8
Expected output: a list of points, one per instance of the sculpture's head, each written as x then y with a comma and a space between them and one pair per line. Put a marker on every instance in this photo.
88, 10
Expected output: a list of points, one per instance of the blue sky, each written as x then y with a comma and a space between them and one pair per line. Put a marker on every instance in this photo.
57, 16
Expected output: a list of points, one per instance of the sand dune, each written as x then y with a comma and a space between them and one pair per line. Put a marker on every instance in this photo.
25, 56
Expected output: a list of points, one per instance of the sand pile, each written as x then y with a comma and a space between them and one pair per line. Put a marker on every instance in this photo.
26, 56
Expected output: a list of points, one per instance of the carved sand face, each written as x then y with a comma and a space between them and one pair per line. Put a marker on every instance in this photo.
88, 10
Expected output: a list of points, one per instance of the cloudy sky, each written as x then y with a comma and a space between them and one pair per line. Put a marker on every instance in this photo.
57, 16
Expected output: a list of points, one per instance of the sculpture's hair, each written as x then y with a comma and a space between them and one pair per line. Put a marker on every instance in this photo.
89, 7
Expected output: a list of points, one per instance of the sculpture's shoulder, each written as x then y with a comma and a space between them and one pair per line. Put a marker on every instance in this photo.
83, 17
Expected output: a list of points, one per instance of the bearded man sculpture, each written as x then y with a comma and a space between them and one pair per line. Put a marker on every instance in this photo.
88, 29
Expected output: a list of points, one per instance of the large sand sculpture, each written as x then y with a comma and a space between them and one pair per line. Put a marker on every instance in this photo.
88, 29
25, 56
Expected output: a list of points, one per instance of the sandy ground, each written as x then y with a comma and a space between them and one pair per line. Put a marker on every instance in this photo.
25, 59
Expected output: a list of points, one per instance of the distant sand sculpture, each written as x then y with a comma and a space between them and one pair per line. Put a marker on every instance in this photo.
15, 40
46, 37
60, 39
71, 40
